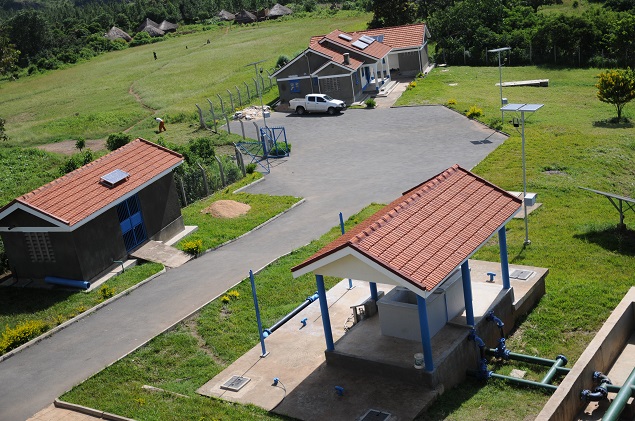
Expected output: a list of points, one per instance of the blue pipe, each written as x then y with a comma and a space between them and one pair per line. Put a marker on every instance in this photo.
482, 372
54, 280
501, 350
289, 316
601, 392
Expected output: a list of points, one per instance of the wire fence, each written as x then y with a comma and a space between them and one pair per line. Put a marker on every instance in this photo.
221, 107
199, 181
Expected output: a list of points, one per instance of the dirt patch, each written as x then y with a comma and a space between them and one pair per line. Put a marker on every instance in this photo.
227, 209
67, 147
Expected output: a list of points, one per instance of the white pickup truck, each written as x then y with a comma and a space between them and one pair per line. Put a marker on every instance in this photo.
320, 103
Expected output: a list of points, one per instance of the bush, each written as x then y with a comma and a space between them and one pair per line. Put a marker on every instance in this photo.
70, 165
282, 60
250, 168
233, 294
370, 103
193, 247
474, 112
141, 38
451, 103
411, 85
117, 140
106, 292
21, 334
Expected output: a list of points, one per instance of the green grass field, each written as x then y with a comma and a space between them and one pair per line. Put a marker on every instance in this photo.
125, 89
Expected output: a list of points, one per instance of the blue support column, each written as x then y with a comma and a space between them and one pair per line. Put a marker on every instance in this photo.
324, 309
467, 293
260, 332
373, 290
425, 333
350, 281
502, 241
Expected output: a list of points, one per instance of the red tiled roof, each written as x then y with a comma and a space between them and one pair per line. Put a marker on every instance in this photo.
400, 36
335, 56
79, 194
376, 49
430, 230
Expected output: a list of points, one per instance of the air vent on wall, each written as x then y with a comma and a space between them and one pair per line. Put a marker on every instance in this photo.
346, 37
114, 178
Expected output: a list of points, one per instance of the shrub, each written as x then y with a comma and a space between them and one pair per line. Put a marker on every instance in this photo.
141, 38
193, 247
233, 294
117, 140
70, 165
87, 157
80, 143
451, 102
250, 168
282, 60
21, 334
225, 299
474, 112
106, 292
370, 103
411, 85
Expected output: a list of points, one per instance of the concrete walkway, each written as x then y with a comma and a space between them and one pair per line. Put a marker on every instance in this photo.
338, 163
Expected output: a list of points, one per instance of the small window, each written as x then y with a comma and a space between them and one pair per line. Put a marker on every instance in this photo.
294, 86
39, 247
311, 99
320, 99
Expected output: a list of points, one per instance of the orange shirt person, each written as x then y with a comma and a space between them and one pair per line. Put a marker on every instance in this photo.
161, 125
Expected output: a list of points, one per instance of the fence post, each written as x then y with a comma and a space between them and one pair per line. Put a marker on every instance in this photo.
182, 182
204, 178
211, 108
242, 128
240, 162
222, 174
231, 100
256, 85
229, 130
240, 101
222, 106
270, 84
262, 83
201, 122
248, 95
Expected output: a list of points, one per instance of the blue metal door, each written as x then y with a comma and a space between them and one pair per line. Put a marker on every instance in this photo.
131, 221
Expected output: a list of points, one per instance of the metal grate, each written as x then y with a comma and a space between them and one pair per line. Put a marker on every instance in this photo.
375, 415
235, 383
523, 275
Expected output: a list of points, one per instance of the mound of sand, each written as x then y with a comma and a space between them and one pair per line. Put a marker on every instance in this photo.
226, 209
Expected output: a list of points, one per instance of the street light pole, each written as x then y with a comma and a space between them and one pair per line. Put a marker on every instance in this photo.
523, 108
500, 75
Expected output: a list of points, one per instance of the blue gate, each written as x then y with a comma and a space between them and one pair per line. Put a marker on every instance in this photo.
131, 221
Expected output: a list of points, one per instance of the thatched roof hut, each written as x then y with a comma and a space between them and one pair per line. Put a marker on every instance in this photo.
116, 33
147, 22
225, 15
279, 10
153, 31
168, 26
245, 17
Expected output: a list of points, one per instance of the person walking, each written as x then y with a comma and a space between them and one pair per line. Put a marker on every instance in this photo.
161, 125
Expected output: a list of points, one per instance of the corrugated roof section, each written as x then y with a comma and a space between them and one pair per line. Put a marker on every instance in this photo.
79, 194
430, 230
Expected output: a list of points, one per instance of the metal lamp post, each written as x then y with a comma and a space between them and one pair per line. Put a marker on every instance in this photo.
500, 73
523, 108
262, 106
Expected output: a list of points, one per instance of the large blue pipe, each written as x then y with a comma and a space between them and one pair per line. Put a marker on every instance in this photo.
54, 280
289, 316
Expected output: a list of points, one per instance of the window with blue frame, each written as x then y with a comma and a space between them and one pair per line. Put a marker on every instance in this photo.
294, 86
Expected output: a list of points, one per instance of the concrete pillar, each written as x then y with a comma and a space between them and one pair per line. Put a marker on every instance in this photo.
324, 309
502, 241
467, 293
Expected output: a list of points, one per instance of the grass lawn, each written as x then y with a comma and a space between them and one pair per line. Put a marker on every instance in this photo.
568, 144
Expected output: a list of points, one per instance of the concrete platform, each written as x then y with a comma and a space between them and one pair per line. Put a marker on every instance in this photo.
156, 251
376, 372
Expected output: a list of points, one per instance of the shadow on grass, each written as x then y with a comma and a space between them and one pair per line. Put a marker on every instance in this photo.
612, 123
611, 238
15, 300
451, 401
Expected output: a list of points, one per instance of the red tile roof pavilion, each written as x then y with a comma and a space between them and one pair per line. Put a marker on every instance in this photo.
424, 235
78, 196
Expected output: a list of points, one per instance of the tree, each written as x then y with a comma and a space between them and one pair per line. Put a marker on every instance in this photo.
3, 134
30, 31
393, 13
8, 55
80, 143
117, 140
616, 87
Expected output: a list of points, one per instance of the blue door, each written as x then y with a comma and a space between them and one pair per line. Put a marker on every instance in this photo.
131, 221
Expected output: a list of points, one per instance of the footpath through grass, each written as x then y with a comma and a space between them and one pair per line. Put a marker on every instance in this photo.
195, 351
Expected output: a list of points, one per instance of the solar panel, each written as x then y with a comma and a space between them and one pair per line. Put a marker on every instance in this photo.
359, 44
368, 40
346, 37
115, 177
378, 38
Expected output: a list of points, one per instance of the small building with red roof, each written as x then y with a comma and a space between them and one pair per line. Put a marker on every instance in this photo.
420, 243
350, 65
75, 226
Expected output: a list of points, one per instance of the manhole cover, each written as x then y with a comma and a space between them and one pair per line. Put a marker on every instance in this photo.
375, 415
521, 274
235, 383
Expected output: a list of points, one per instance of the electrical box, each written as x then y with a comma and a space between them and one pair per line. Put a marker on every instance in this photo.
530, 199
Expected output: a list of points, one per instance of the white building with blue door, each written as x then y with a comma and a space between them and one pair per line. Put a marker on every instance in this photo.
76, 226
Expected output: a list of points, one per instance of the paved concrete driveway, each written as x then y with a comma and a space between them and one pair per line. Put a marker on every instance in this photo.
340, 163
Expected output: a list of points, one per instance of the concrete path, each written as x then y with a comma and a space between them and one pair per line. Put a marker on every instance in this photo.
338, 163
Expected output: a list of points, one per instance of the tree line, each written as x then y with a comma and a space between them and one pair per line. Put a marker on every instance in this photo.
463, 30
